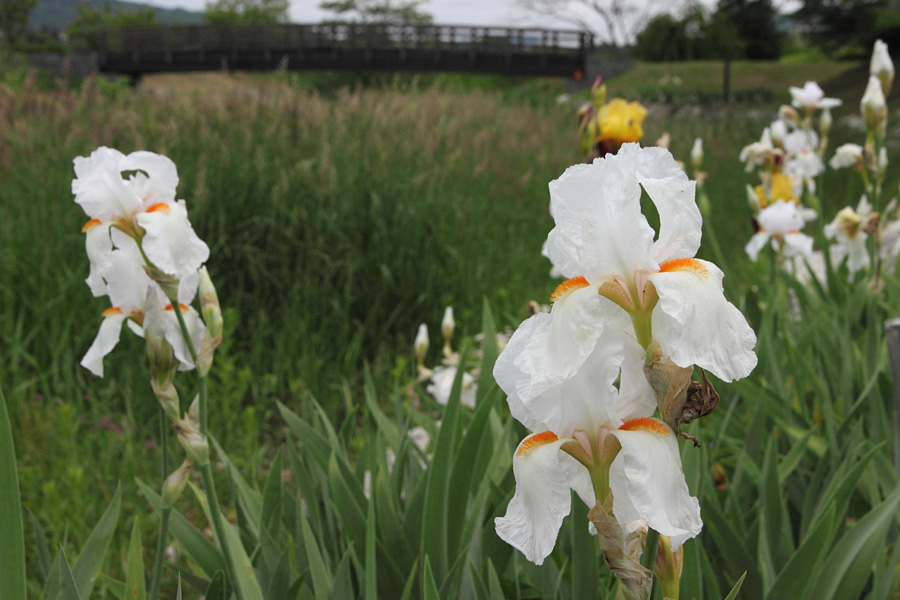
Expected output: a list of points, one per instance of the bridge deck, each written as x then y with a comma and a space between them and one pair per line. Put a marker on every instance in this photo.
514, 51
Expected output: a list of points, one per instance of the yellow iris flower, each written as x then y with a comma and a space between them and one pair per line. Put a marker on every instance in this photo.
781, 189
621, 122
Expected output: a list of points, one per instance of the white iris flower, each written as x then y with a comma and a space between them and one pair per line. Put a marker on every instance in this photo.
442, 384
142, 204
625, 277
592, 438
847, 229
132, 295
847, 155
781, 223
811, 97
135, 219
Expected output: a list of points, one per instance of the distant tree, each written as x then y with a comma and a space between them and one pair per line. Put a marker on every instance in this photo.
14, 16
622, 19
663, 39
721, 39
83, 30
378, 11
693, 35
247, 11
834, 24
754, 21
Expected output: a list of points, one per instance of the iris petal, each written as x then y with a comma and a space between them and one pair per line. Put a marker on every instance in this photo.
695, 325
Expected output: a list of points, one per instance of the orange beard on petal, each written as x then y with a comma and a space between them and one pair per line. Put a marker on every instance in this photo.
646, 424
535, 439
684, 264
567, 286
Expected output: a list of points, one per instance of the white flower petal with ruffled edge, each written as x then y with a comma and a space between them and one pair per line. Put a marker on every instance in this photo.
126, 280
99, 188
560, 343
510, 377
196, 329
858, 254
171, 243
107, 339
647, 481
187, 287
797, 244
806, 164
756, 244
780, 217
800, 140
160, 181
854, 248
442, 384
99, 248
584, 400
600, 231
694, 323
636, 396
542, 499
667, 185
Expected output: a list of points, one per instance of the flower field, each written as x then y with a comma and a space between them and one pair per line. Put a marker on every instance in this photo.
351, 457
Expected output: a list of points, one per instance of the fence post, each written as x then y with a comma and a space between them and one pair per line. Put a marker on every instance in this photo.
892, 332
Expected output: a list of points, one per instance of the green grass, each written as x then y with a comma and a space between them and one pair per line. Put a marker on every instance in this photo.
338, 221
750, 80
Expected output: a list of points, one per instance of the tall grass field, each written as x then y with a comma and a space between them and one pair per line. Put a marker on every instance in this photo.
339, 218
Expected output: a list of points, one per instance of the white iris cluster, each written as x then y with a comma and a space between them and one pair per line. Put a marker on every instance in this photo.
577, 377
144, 254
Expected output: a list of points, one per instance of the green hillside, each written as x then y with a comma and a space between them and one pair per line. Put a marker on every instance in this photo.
56, 15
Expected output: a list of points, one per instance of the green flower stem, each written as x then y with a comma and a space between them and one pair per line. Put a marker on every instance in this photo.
163, 444
670, 590
160, 553
600, 481
164, 519
203, 410
643, 328
648, 558
218, 521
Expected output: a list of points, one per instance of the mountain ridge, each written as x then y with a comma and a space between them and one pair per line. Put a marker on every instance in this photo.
57, 15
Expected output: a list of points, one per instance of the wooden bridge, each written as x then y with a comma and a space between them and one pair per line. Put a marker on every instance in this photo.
513, 51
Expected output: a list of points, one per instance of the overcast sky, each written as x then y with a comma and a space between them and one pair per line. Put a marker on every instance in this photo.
463, 12
450, 12
460, 12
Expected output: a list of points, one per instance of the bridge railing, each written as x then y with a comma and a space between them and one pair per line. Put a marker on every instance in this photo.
178, 38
